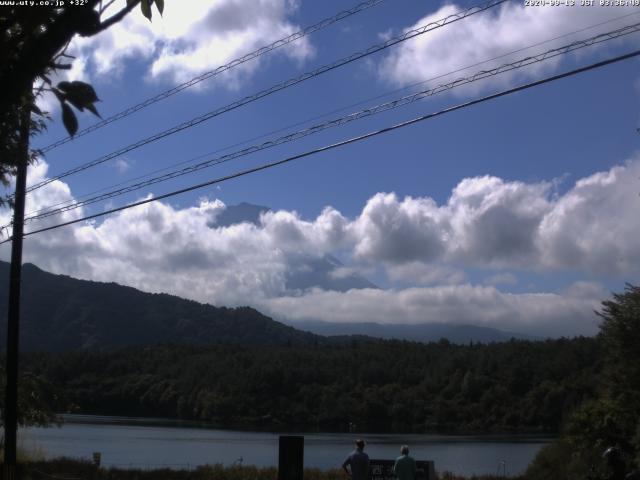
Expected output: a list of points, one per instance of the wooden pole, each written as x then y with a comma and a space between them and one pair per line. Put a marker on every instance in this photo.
13, 317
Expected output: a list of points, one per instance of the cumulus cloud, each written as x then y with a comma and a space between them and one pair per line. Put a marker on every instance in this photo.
487, 223
492, 34
198, 40
189, 39
392, 231
160, 248
593, 226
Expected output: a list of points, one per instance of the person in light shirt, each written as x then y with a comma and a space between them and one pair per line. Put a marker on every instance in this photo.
405, 466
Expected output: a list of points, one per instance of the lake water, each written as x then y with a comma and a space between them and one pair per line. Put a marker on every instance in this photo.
139, 443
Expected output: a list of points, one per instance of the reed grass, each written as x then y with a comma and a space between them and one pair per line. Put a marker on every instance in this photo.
73, 469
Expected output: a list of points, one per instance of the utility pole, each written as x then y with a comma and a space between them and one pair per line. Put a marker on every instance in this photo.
13, 317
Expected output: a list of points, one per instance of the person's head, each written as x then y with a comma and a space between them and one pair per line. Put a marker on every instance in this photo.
360, 444
404, 450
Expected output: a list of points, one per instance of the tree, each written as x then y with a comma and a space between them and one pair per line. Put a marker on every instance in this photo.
33, 46
620, 334
613, 418
39, 400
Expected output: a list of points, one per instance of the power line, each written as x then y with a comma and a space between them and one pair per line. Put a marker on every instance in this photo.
309, 153
387, 106
341, 109
280, 86
221, 69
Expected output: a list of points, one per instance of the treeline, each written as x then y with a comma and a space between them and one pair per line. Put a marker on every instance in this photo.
610, 421
381, 385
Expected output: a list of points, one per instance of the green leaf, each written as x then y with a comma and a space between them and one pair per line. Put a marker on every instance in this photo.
93, 110
79, 94
160, 5
80, 90
145, 6
35, 109
64, 86
69, 119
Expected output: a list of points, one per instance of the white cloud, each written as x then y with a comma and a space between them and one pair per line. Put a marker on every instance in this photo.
122, 165
393, 231
595, 226
538, 314
491, 34
191, 38
419, 273
486, 223
489, 222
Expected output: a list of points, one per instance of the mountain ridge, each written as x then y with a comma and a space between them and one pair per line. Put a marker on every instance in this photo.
64, 313
60, 312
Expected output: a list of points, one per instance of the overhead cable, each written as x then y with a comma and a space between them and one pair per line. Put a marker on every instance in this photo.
276, 88
217, 71
383, 107
317, 117
343, 143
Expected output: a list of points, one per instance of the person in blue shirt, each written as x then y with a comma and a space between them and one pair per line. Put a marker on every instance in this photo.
358, 463
405, 466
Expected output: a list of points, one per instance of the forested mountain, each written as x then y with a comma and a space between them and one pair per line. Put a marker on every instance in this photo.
383, 385
61, 313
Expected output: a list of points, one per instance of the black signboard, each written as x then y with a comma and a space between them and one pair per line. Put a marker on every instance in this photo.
383, 470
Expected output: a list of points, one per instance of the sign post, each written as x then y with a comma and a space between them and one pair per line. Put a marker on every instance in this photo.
383, 470
290, 457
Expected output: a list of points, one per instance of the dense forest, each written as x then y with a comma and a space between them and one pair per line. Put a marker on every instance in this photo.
381, 385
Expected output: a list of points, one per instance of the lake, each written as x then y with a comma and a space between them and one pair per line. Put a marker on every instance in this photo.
145, 443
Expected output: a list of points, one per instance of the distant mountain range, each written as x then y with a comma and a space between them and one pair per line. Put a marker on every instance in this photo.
429, 332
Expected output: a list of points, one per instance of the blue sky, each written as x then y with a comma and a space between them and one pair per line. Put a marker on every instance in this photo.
518, 213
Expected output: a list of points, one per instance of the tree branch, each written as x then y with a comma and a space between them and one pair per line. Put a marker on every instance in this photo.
117, 17
108, 4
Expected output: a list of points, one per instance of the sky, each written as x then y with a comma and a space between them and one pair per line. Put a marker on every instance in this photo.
519, 213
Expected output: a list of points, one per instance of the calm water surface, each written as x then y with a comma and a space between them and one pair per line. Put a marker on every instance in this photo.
147, 444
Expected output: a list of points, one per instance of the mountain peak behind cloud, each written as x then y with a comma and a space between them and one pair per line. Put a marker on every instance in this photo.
325, 272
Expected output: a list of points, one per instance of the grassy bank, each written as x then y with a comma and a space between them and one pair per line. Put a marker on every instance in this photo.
76, 469
83, 470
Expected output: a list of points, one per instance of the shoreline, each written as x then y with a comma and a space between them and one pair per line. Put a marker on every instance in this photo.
302, 428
